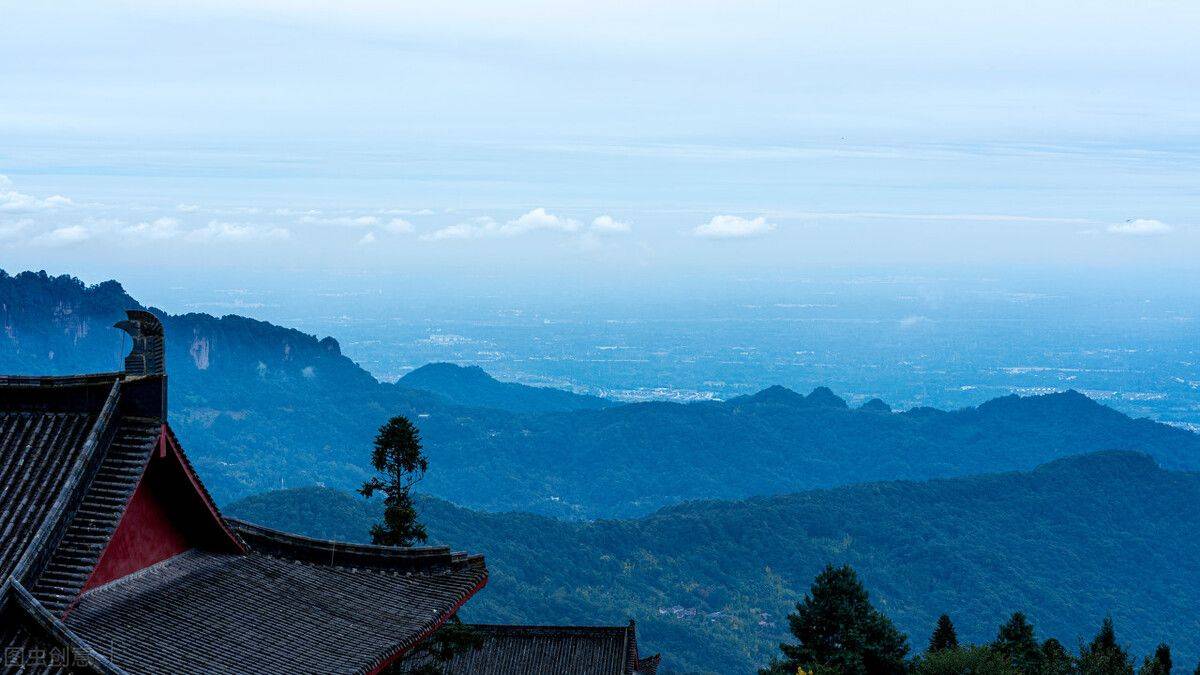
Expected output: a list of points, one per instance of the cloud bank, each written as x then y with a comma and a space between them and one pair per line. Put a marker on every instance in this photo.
219, 231
733, 227
607, 225
11, 200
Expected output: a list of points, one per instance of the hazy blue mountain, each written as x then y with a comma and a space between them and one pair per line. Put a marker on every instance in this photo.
631, 459
711, 582
260, 407
471, 387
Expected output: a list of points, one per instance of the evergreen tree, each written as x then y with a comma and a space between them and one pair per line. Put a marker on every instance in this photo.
968, 660
1104, 656
944, 636
1159, 664
398, 459
1055, 659
837, 628
1016, 643
430, 656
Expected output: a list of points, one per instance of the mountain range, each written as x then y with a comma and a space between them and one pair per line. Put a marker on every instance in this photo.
711, 582
261, 407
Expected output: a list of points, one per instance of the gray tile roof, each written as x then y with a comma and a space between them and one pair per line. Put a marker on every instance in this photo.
257, 613
552, 650
72, 452
48, 430
98, 513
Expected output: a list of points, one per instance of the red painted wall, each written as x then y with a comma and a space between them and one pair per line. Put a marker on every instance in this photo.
167, 515
147, 534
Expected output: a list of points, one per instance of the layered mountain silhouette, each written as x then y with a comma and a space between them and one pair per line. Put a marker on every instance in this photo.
262, 407
471, 387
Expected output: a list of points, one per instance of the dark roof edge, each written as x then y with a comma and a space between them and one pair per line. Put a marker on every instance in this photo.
338, 553
177, 449
548, 629
54, 518
59, 380
404, 647
36, 612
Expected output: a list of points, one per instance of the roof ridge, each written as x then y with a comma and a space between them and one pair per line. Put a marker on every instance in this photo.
55, 520
344, 554
58, 380
501, 627
146, 571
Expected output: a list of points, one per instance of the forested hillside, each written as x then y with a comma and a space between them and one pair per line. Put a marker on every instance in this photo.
471, 387
260, 406
711, 582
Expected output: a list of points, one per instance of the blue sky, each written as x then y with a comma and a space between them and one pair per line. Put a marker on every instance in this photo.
572, 139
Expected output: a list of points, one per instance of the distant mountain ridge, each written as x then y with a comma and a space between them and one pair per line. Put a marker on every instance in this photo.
471, 387
821, 397
261, 407
711, 582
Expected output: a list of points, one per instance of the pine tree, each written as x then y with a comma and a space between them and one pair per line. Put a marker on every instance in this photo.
1104, 656
398, 459
969, 659
944, 636
1055, 659
1159, 664
1018, 645
431, 656
837, 629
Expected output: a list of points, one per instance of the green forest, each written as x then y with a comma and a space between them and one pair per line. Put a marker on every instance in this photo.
711, 583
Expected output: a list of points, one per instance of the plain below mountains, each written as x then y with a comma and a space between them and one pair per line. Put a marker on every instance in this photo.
471, 387
260, 407
711, 583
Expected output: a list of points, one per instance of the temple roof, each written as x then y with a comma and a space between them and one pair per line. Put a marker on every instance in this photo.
75, 453
261, 613
47, 436
580, 650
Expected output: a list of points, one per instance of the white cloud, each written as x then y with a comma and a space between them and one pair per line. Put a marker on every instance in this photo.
1140, 227
394, 225
63, 236
55, 201
367, 239
343, 221
408, 212
733, 227
11, 200
477, 227
399, 226
156, 230
607, 225
188, 208
235, 232
10, 229
485, 226
538, 219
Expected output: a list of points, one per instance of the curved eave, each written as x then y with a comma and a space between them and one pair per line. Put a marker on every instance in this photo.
16, 597
329, 552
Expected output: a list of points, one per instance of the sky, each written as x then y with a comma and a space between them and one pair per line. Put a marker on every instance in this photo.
571, 142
